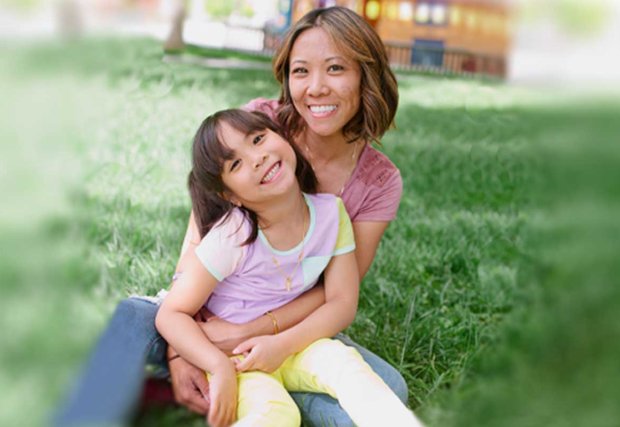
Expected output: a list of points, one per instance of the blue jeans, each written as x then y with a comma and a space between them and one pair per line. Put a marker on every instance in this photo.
110, 385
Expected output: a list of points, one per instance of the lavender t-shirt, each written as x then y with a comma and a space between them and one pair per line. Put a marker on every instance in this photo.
375, 187
252, 278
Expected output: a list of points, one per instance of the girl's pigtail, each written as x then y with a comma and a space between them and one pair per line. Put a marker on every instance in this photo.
207, 206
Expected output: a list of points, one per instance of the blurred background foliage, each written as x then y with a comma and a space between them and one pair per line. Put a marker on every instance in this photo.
495, 292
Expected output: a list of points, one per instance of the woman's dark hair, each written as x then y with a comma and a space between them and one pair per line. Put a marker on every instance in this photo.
357, 40
209, 152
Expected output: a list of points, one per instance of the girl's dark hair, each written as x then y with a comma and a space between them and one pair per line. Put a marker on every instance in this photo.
357, 40
209, 152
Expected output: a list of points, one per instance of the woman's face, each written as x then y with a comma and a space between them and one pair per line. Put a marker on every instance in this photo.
324, 83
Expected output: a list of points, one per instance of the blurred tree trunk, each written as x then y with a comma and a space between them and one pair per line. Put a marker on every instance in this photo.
69, 19
174, 42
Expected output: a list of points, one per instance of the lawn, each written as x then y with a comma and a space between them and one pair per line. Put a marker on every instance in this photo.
482, 293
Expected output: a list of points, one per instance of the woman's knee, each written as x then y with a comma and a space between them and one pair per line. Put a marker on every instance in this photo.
135, 314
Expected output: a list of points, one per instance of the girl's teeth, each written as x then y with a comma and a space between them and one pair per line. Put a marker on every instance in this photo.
271, 173
322, 108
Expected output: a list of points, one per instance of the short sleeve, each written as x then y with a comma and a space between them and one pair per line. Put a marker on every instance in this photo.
345, 242
221, 250
381, 203
264, 105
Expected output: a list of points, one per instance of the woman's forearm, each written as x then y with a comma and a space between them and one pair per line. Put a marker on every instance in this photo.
288, 315
328, 320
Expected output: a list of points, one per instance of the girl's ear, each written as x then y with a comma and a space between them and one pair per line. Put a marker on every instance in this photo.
229, 197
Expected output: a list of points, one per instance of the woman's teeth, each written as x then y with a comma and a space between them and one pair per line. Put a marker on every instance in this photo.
318, 109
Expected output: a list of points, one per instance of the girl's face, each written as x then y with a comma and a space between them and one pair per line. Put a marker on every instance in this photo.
324, 84
262, 166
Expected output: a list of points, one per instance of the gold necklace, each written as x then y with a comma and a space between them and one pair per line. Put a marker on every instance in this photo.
352, 168
288, 279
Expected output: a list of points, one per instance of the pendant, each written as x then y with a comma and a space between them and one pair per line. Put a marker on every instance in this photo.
288, 283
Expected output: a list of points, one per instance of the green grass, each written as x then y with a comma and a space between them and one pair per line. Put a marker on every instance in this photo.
469, 296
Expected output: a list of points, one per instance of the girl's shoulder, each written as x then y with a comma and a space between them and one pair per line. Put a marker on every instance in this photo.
235, 226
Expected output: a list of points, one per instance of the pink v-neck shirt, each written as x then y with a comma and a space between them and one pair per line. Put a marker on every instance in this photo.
375, 187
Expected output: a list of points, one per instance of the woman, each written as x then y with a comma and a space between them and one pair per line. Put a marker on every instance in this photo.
338, 95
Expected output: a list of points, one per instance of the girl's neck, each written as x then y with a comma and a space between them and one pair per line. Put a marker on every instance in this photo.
285, 221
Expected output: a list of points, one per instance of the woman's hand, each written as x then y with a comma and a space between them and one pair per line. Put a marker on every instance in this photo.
265, 353
189, 385
225, 335
223, 393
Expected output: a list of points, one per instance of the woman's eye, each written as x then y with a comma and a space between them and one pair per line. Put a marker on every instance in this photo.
299, 70
235, 164
335, 67
258, 138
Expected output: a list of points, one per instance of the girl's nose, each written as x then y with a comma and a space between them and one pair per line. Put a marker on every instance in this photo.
260, 159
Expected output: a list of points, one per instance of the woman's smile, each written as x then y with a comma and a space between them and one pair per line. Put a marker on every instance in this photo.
320, 111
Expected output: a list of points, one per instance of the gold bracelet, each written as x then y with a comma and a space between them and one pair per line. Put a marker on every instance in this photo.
274, 321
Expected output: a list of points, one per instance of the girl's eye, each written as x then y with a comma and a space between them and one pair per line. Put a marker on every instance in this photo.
258, 138
234, 165
335, 67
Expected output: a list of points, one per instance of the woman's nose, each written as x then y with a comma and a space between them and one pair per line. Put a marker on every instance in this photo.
317, 85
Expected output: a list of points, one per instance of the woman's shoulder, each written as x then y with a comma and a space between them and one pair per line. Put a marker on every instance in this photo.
264, 105
375, 168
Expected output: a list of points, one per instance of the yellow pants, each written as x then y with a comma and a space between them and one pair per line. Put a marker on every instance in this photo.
326, 366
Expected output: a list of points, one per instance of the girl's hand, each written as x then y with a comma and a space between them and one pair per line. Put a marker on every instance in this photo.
223, 394
265, 353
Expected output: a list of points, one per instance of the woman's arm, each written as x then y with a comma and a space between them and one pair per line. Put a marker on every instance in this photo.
227, 336
267, 353
367, 237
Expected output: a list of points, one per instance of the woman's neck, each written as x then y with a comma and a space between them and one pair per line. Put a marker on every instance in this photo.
320, 149
333, 159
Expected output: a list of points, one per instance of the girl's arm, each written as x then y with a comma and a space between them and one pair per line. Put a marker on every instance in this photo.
176, 324
227, 336
266, 353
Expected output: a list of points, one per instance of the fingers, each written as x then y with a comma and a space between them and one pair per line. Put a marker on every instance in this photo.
246, 364
244, 347
194, 400
221, 415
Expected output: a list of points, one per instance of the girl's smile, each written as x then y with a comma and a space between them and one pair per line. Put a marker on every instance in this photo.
272, 174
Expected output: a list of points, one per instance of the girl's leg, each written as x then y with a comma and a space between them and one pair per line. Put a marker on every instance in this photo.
323, 410
328, 366
111, 382
263, 401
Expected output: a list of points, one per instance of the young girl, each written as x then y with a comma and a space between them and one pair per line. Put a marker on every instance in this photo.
264, 243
